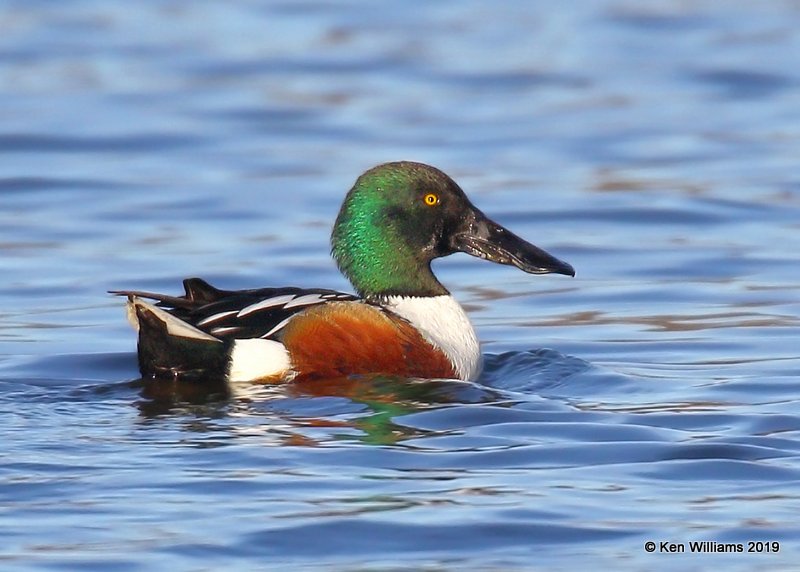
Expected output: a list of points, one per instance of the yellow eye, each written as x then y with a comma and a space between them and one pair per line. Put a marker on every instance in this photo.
431, 199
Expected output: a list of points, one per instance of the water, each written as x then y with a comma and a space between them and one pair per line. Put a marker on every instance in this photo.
652, 398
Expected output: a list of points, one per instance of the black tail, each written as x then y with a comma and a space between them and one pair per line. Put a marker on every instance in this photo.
166, 356
198, 293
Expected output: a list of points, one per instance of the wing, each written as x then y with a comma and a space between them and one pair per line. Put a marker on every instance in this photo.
238, 314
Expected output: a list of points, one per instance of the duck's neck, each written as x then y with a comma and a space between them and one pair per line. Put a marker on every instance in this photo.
388, 281
379, 263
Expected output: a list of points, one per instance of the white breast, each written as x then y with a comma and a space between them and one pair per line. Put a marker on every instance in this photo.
443, 322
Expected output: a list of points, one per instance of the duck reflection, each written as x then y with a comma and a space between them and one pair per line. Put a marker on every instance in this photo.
356, 408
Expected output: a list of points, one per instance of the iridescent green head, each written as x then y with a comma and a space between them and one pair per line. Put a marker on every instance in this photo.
399, 216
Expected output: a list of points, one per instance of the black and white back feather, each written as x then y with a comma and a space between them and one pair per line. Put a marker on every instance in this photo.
240, 314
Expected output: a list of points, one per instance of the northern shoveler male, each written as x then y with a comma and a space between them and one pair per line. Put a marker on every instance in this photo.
395, 220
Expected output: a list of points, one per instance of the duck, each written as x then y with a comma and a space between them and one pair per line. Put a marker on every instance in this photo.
401, 321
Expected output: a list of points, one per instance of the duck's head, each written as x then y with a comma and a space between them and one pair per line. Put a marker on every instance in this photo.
399, 216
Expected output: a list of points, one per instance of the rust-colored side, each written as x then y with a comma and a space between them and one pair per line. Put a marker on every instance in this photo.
344, 338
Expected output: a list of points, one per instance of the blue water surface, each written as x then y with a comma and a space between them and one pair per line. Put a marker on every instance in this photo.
653, 145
